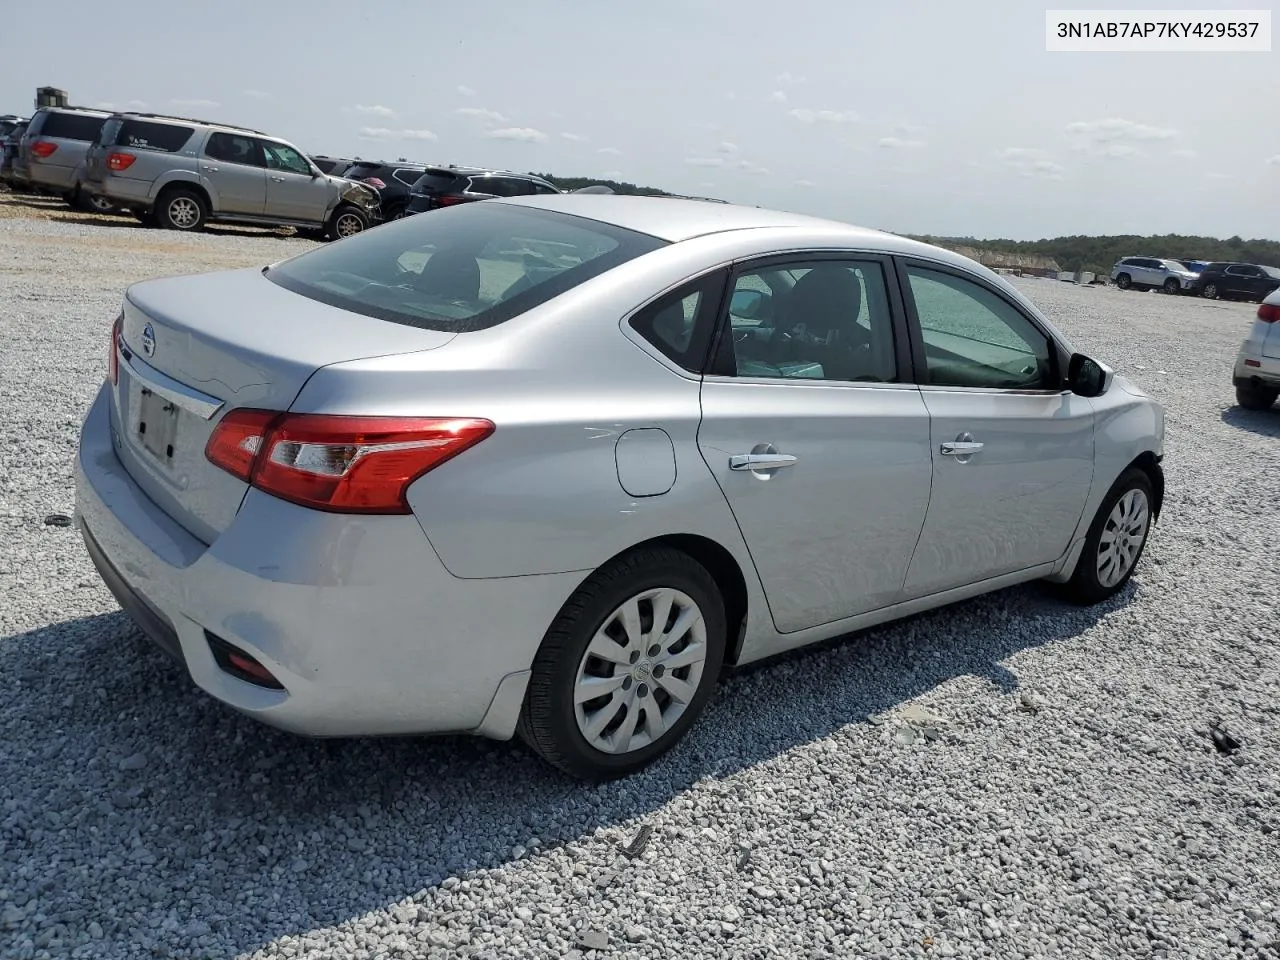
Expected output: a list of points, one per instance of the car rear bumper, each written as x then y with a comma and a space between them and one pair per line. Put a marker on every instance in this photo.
50, 175
1252, 368
356, 617
123, 190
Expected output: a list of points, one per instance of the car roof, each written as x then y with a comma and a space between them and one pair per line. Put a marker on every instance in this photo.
171, 118
675, 219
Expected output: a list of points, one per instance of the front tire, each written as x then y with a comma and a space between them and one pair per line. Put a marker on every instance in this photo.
1115, 541
1172, 287
1253, 397
180, 209
1211, 291
347, 221
627, 666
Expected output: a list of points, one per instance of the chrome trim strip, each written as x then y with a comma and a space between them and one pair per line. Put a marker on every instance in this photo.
179, 394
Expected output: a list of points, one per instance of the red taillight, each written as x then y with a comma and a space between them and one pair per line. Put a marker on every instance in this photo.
375, 182
120, 161
236, 441
337, 463
1269, 312
113, 359
448, 201
43, 148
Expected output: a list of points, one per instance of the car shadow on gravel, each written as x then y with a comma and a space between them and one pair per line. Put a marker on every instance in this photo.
1265, 423
127, 795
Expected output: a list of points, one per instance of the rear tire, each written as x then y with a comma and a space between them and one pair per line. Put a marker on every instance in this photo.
181, 209
665, 675
1172, 286
347, 221
1253, 397
1210, 291
1115, 541
1124, 281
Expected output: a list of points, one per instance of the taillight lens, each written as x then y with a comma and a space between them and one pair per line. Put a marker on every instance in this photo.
113, 357
120, 161
375, 182
43, 148
338, 463
448, 200
1269, 313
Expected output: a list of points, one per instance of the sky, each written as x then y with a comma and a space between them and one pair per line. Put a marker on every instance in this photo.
914, 116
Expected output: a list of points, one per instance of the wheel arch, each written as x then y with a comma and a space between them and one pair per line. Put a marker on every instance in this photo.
1149, 464
182, 183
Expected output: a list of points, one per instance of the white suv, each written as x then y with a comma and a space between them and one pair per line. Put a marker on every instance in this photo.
1149, 273
1257, 373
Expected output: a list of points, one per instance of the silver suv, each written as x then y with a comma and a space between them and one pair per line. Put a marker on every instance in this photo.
183, 173
1150, 273
53, 150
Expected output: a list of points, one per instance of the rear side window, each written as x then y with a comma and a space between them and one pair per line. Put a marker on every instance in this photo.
143, 135
490, 186
436, 181
406, 176
681, 324
233, 148
466, 267
72, 126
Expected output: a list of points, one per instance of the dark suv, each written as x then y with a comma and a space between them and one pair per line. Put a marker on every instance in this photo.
1246, 281
12, 173
445, 186
334, 165
393, 181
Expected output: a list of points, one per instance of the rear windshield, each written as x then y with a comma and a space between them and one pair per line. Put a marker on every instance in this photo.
363, 169
72, 126
144, 135
462, 268
436, 181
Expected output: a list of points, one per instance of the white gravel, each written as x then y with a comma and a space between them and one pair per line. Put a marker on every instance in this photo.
1005, 778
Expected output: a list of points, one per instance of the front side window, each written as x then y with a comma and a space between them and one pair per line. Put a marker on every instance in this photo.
810, 320
234, 148
281, 156
465, 267
974, 338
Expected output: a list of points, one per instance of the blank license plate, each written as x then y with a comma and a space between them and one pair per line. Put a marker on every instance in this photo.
157, 426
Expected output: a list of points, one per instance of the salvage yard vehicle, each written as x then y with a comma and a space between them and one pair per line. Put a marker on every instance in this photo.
182, 173
1152, 273
543, 466
53, 150
1257, 372
1238, 281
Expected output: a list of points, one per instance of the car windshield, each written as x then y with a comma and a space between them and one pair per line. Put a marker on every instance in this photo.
1273, 272
462, 268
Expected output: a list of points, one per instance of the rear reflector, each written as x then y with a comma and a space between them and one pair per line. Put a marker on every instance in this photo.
1269, 313
43, 148
1253, 363
113, 358
120, 161
338, 463
239, 664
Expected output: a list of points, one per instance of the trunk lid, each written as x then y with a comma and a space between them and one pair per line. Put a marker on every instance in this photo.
193, 348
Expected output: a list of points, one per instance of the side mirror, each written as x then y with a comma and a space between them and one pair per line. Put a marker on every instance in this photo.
745, 303
1087, 377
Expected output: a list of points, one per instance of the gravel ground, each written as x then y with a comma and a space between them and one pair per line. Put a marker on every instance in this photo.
1007, 778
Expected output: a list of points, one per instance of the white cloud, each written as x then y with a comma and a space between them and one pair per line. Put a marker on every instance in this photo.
194, 102
908, 129
611, 175
1119, 150
137, 104
728, 147
1274, 161
373, 110
1219, 176
705, 161
480, 113
787, 77
466, 91
750, 167
575, 137
805, 183
102, 105
1031, 162
610, 151
809, 115
1115, 128
1185, 154
898, 143
777, 97
383, 133
257, 94
519, 134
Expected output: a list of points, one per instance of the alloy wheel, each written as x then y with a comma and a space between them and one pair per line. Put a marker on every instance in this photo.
183, 212
640, 671
348, 225
1122, 537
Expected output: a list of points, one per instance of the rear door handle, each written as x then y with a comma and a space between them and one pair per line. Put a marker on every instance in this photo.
960, 448
761, 461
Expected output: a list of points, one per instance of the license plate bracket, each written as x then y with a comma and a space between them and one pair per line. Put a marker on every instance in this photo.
157, 425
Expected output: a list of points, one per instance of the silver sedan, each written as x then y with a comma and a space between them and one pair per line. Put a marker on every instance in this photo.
546, 466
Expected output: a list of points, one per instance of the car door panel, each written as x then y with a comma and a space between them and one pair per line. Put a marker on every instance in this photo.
291, 194
1015, 502
831, 534
231, 169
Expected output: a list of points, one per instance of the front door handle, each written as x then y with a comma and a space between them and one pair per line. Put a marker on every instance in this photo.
761, 461
278, 179
210, 169
960, 448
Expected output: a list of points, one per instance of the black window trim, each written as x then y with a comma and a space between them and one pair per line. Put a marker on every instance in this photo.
680, 290
901, 345
257, 141
1059, 356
